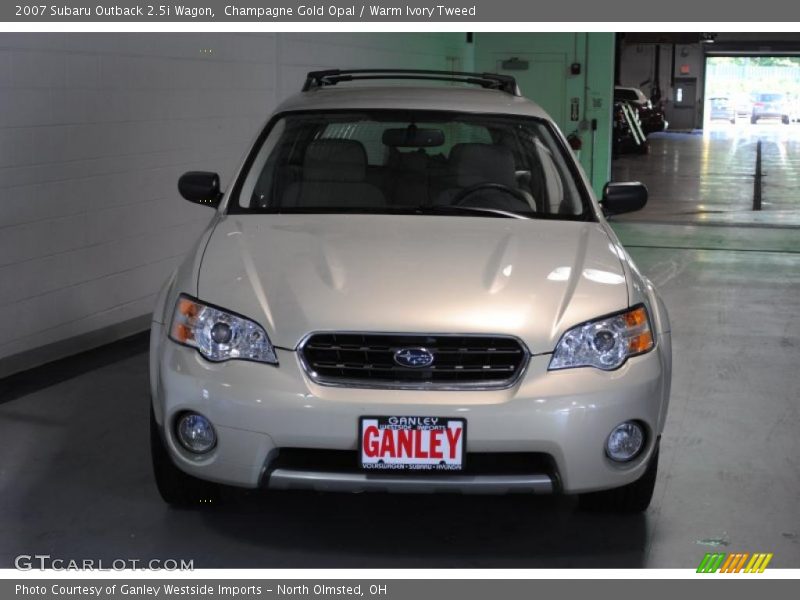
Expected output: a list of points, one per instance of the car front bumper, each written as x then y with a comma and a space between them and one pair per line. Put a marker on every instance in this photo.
258, 410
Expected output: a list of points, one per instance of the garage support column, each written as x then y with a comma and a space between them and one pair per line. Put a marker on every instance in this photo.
599, 93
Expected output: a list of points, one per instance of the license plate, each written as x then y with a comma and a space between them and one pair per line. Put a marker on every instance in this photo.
412, 443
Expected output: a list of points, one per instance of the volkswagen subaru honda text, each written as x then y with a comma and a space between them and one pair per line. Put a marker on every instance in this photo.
409, 289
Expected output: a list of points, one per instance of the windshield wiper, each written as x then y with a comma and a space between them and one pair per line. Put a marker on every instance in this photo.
475, 210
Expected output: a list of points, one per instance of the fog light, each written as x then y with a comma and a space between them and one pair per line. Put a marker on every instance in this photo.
625, 441
195, 433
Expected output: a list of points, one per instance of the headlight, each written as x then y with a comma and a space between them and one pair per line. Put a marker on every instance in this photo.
605, 343
219, 335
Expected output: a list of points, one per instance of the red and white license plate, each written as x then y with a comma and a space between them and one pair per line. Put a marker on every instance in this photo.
412, 443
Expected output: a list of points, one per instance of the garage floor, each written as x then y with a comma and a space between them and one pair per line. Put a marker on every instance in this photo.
75, 475
707, 177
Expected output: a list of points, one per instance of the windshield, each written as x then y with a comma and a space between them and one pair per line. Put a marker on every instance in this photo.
413, 163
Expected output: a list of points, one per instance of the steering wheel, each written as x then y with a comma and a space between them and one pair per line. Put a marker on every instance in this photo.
460, 198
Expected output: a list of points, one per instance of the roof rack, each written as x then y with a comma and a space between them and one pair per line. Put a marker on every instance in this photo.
493, 81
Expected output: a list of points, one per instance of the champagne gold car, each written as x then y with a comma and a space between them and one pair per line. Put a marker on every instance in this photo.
409, 288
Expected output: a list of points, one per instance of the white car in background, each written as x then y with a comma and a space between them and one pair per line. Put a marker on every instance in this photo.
633, 95
794, 109
409, 289
770, 105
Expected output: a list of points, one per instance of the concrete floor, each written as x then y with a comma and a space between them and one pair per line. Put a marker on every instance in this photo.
75, 478
707, 176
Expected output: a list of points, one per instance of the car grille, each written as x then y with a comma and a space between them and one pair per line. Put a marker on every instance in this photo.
368, 360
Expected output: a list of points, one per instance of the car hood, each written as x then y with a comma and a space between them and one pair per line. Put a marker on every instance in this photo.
297, 274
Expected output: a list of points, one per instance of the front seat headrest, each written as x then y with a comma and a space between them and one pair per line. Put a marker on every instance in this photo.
335, 160
483, 163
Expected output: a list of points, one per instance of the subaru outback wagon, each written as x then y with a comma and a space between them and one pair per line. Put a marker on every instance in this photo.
409, 287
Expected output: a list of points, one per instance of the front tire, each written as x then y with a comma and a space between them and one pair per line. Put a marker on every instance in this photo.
632, 498
785, 119
177, 488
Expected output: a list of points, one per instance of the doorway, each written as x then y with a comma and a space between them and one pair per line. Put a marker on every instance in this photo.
752, 95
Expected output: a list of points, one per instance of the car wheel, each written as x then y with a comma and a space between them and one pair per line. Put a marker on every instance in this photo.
753, 120
785, 119
177, 488
632, 498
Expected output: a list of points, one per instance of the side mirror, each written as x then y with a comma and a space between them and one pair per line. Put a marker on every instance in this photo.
621, 198
200, 187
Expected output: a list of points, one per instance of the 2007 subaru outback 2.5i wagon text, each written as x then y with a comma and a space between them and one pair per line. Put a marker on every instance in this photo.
409, 288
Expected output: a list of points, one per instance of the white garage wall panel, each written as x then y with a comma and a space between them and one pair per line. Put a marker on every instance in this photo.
95, 129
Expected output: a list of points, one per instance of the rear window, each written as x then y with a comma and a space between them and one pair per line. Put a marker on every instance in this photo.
370, 135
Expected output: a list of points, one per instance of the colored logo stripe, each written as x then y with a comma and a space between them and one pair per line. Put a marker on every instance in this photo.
734, 562
711, 562
758, 563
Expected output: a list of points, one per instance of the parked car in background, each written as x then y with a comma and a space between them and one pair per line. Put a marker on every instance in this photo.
721, 109
632, 95
651, 115
794, 109
770, 105
409, 288
628, 136
631, 104
654, 118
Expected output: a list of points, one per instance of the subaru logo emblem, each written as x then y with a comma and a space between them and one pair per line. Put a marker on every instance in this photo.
414, 358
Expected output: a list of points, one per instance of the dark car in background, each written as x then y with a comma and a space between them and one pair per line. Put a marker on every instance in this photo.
651, 115
770, 105
628, 135
635, 117
654, 118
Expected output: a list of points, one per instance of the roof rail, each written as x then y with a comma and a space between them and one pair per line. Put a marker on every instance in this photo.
318, 79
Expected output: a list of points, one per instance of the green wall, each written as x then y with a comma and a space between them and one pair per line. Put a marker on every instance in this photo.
548, 81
